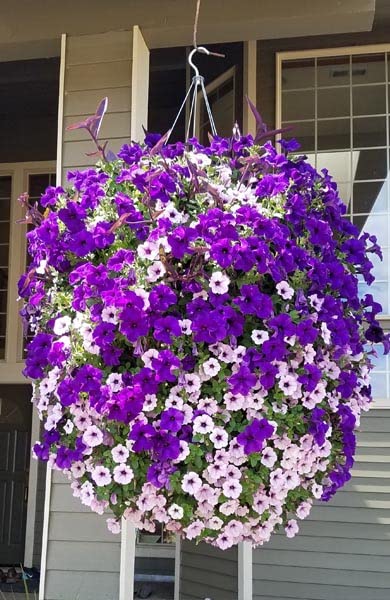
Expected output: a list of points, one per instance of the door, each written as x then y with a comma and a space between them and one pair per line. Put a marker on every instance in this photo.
15, 428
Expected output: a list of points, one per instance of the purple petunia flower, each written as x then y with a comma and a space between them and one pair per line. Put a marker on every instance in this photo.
254, 435
166, 328
171, 420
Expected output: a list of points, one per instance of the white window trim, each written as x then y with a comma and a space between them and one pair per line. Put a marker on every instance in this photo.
378, 403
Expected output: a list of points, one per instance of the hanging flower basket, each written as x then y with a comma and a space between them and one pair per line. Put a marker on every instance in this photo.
201, 355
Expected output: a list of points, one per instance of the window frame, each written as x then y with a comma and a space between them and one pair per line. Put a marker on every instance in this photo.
11, 367
340, 51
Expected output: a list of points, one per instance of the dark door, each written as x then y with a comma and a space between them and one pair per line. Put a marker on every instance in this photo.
15, 428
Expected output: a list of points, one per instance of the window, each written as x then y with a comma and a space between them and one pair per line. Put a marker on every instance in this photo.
5, 203
37, 183
15, 178
337, 102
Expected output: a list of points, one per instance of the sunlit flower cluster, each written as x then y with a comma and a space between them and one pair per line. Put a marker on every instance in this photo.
200, 354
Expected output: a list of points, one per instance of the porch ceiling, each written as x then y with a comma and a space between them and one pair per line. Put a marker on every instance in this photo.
169, 22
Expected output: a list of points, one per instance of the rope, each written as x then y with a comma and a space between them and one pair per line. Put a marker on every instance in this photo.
196, 23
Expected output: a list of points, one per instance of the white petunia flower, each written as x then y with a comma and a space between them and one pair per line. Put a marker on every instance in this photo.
284, 290
259, 336
110, 315
62, 325
211, 367
219, 283
155, 271
175, 511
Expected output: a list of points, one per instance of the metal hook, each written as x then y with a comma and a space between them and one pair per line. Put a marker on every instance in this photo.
203, 50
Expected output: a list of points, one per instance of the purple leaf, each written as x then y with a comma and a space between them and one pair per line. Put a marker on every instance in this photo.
92, 124
273, 132
98, 118
110, 155
261, 127
81, 124
157, 147
262, 131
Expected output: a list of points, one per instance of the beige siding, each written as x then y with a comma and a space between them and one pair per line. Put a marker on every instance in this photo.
96, 66
83, 557
80, 551
343, 549
206, 572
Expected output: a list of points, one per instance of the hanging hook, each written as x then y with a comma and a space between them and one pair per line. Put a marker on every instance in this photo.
202, 50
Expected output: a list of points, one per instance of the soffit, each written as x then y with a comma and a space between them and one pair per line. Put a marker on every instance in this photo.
167, 23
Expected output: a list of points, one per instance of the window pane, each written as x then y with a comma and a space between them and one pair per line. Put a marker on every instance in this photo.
298, 74
345, 193
3, 323
337, 163
371, 164
4, 231
370, 197
379, 384
333, 71
369, 132
369, 100
37, 184
333, 102
304, 132
368, 68
334, 134
3, 255
5, 187
381, 267
298, 105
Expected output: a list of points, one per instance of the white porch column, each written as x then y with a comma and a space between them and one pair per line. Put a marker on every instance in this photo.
245, 571
126, 576
250, 88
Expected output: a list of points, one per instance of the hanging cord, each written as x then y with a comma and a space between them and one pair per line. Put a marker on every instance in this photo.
196, 23
197, 81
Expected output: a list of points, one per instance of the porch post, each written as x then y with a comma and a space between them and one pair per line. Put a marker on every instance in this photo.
249, 80
245, 571
127, 565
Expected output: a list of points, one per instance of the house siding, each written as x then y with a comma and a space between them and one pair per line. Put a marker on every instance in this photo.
96, 66
83, 557
206, 572
343, 549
